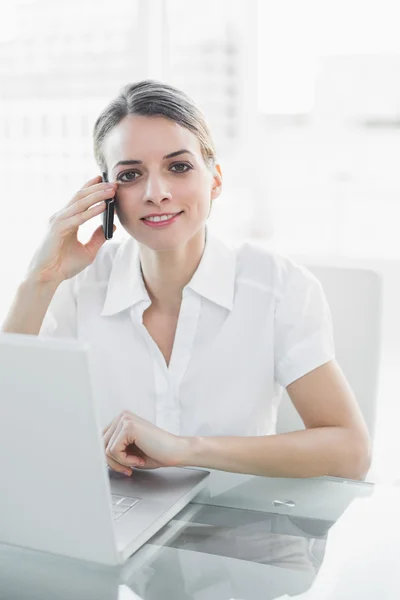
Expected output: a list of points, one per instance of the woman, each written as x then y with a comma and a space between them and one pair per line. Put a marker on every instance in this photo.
192, 341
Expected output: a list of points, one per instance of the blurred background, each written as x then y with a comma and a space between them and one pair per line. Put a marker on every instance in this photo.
303, 98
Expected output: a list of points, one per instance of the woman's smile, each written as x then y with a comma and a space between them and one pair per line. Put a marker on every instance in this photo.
162, 220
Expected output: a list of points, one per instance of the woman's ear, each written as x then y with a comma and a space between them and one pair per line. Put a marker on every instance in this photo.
217, 182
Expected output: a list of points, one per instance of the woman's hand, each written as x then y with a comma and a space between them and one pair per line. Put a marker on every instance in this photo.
131, 441
61, 255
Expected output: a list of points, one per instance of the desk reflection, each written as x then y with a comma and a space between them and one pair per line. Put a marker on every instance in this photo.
29, 575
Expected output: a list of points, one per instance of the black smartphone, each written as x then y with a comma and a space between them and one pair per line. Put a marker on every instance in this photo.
108, 214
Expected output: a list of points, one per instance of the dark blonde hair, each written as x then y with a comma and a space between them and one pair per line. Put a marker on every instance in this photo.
152, 98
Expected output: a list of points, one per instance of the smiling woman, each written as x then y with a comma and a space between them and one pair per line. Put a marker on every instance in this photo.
192, 340
157, 147
160, 183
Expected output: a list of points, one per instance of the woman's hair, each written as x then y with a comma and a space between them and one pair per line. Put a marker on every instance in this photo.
152, 98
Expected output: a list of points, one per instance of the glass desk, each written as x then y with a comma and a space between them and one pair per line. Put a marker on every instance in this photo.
242, 538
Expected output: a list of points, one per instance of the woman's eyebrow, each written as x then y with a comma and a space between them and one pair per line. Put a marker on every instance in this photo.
140, 162
177, 153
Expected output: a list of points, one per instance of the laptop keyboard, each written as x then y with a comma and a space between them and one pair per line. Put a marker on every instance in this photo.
121, 504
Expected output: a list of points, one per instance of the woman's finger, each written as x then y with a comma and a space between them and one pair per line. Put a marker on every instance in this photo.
113, 464
83, 197
106, 428
118, 443
116, 466
91, 182
111, 446
96, 241
77, 220
88, 184
100, 195
113, 423
109, 430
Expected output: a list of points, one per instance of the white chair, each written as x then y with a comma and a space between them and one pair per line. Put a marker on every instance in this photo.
355, 299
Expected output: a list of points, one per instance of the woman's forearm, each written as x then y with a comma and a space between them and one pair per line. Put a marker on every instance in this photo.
333, 451
29, 307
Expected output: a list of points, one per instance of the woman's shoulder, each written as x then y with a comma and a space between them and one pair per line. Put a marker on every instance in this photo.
264, 266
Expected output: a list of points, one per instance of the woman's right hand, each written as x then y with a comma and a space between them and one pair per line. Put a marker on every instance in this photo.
61, 255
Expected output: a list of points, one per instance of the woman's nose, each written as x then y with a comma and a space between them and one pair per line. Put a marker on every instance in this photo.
156, 190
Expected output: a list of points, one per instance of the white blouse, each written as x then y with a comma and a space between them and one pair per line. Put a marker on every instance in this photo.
251, 322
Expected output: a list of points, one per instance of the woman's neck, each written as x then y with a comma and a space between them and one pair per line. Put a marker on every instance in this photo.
166, 273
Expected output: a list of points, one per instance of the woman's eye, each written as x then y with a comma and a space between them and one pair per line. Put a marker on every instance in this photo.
128, 176
181, 167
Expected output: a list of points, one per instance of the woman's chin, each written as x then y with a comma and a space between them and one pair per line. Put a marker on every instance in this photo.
159, 241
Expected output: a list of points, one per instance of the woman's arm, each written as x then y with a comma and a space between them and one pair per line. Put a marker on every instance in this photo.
335, 442
29, 307
59, 257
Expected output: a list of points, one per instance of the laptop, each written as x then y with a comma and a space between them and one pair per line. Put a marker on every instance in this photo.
57, 493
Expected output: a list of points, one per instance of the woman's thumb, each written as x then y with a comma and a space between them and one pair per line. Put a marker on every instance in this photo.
96, 242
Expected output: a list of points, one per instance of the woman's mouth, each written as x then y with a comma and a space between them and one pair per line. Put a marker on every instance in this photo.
161, 220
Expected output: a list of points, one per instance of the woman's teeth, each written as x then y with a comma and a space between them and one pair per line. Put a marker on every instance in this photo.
163, 218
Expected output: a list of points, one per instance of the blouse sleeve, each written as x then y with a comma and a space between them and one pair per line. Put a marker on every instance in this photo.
60, 319
303, 327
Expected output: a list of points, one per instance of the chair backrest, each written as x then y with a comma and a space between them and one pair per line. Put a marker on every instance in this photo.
355, 300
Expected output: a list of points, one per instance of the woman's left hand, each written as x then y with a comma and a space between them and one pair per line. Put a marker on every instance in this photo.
131, 441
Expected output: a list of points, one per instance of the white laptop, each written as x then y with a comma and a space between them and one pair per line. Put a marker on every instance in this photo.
57, 493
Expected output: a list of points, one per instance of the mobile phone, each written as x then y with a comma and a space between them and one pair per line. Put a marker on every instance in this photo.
108, 214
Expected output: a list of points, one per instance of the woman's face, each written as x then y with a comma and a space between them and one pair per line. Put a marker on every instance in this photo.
160, 171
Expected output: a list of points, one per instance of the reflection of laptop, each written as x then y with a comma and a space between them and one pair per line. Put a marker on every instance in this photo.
56, 493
